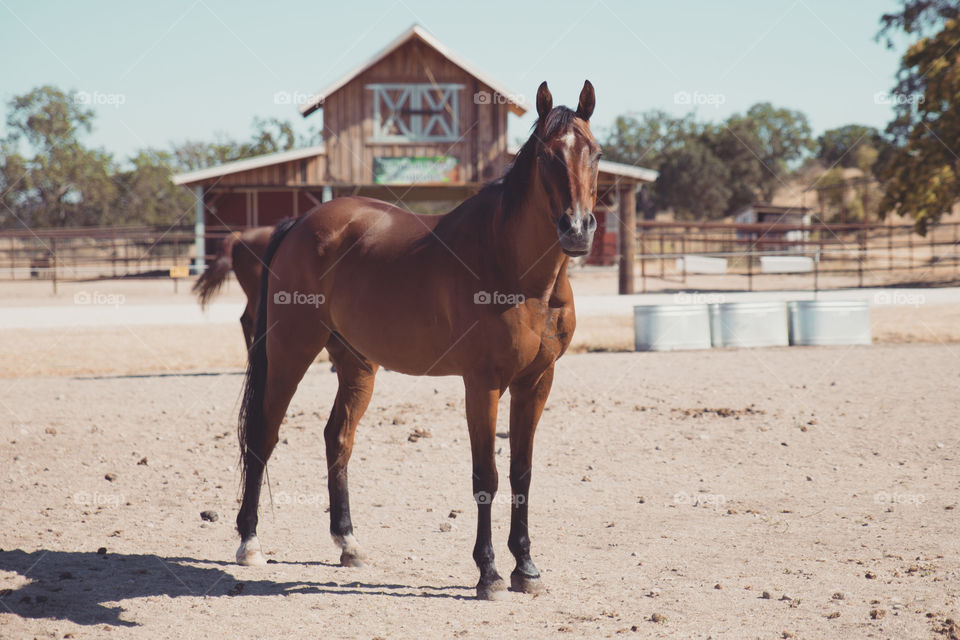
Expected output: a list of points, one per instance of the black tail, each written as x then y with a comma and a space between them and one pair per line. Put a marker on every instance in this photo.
250, 426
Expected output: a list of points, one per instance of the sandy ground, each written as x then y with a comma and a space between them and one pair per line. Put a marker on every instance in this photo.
806, 493
770, 493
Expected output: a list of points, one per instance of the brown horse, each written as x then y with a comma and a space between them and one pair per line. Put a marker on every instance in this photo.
481, 292
243, 253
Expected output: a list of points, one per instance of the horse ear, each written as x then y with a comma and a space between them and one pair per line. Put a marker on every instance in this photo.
544, 101
588, 101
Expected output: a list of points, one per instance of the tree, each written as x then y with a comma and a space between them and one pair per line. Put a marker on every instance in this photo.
59, 181
643, 141
920, 174
146, 193
694, 182
841, 146
781, 138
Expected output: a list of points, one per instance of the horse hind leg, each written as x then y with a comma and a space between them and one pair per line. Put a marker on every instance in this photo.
356, 376
290, 355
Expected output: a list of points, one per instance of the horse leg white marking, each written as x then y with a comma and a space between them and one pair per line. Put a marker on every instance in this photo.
249, 554
350, 555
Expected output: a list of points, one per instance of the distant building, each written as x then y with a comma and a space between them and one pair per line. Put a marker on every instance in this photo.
761, 213
414, 123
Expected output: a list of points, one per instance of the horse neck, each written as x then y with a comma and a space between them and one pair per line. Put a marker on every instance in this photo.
534, 252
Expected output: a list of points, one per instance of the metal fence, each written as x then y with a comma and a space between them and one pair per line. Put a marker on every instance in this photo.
85, 253
838, 255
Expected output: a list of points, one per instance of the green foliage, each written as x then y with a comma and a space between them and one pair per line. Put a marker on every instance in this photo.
920, 175
711, 170
49, 178
841, 146
58, 181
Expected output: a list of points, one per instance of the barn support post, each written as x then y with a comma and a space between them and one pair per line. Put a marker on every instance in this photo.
199, 232
628, 235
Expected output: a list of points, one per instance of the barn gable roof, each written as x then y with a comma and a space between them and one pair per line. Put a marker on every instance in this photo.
515, 102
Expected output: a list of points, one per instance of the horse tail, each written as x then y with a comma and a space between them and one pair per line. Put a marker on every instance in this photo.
213, 277
250, 423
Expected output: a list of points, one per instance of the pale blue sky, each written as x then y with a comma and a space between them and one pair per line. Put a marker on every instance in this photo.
190, 68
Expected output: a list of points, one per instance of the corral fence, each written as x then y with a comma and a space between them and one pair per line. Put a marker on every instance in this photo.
723, 255
89, 253
682, 254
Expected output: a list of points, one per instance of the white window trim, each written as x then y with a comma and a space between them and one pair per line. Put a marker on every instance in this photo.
414, 94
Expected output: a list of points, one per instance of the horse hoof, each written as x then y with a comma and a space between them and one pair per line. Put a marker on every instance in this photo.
525, 584
250, 555
351, 560
496, 590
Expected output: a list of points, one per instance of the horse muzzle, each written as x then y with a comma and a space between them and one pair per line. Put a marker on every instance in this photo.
575, 231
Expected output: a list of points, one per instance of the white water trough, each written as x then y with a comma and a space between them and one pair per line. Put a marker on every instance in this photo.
749, 324
671, 327
786, 264
829, 322
701, 264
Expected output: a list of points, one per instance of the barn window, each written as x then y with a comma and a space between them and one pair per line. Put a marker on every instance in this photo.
415, 112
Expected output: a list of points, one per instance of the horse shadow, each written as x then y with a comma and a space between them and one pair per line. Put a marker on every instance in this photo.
84, 587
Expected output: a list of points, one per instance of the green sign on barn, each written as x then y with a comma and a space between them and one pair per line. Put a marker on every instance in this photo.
409, 170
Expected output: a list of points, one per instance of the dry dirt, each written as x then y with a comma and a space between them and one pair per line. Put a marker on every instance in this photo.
805, 493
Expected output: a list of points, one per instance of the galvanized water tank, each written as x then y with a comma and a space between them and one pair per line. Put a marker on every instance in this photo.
669, 327
829, 322
749, 324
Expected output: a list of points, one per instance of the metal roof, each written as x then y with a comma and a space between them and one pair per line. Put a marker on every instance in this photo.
516, 102
247, 164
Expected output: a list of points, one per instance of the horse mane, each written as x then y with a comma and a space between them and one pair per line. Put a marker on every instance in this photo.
509, 190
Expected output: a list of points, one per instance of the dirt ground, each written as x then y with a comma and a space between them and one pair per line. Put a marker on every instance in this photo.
805, 493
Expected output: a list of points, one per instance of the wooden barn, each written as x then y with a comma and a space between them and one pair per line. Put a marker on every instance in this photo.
414, 125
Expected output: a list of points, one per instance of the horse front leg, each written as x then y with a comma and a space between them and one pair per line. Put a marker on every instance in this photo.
527, 398
481, 404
